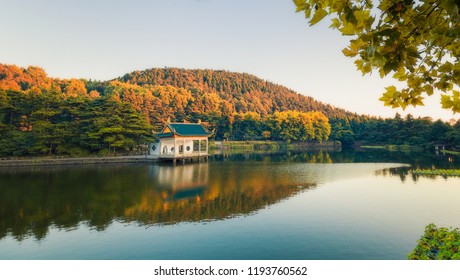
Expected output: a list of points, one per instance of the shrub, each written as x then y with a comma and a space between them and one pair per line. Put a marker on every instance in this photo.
437, 244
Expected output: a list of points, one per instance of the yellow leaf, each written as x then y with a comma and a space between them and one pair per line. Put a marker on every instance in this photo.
400, 74
391, 89
319, 15
428, 89
419, 102
349, 52
335, 23
348, 29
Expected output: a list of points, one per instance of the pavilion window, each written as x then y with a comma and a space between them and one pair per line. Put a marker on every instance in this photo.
203, 145
196, 145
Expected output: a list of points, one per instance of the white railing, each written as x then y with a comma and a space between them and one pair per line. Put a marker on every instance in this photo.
183, 155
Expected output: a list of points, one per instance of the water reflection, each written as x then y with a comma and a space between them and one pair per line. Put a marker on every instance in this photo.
415, 159
283, 156
406, 172
32, 202
401, 172
195, 193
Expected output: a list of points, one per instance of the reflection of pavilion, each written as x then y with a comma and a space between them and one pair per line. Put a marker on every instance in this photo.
206, 192
181, 182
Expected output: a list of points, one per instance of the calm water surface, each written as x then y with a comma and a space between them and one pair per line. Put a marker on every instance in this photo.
315, 205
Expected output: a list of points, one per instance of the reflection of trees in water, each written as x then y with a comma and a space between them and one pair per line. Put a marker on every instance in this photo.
279, 156
402, 172
32, 202
229, 190
154, 210
406, 172
416, 159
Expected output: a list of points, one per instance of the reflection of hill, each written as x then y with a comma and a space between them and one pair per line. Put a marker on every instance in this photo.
31, 202
224, 192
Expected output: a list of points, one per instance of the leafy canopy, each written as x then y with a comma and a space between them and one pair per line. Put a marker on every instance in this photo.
437, 244
417, 42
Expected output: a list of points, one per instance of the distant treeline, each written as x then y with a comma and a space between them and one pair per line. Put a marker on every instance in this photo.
422, 132
40, 115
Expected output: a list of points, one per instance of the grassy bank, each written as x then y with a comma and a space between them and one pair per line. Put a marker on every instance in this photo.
450, 152
434, 172
401, 148
75, 161
253, 145
373, 147
270, 145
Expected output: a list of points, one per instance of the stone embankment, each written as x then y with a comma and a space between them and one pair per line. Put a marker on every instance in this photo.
77, 161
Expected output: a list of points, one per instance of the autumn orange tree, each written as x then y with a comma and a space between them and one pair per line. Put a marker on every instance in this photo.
299, 126
416, 42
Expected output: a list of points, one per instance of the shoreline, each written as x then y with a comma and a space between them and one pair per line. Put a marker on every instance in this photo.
218, 146
77, 161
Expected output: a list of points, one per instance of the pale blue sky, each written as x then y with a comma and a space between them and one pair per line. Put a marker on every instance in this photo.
106, 39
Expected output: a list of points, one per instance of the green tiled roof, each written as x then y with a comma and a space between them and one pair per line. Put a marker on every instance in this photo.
185, 129
164, 135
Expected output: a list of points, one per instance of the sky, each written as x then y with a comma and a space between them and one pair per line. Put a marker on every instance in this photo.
100, 40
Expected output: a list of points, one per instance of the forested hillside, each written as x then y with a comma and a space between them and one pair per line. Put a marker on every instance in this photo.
40, 115
243, 92
43, 115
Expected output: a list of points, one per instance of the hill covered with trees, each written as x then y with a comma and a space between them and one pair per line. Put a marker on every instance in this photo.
240, 92
41, 115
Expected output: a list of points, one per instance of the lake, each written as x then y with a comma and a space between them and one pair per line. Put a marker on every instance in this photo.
284, 205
